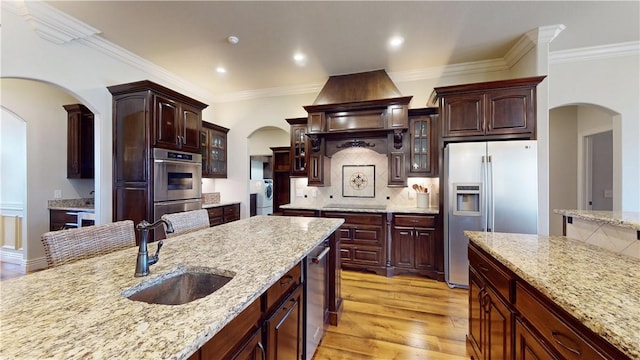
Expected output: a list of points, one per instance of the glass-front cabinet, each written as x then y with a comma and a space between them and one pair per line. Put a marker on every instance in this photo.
298, 146
424, 142
213, 141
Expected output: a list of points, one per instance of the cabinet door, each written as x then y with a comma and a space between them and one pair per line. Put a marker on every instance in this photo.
476, 334
319, 168
499, 322
397, 169
425, 249
397, 116
166, 124
217, 154
189, 129
204, 151
403, 247
252, 349
423, 146
462, 115
510, 111
529, 346
298, 150
284, 329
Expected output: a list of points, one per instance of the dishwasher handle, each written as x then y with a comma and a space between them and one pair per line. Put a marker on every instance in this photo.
317, 259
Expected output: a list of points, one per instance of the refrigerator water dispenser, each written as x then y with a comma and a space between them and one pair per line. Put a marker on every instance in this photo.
467, 199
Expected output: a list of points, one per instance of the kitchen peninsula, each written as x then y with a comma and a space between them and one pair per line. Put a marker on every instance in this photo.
551, 296
78, 310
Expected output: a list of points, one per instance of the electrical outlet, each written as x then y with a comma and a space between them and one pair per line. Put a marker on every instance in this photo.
57, 194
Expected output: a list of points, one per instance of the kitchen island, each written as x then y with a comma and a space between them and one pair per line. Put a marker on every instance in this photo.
595, 291
78, 310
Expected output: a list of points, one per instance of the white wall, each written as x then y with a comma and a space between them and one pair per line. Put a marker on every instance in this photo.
563, 163
612, 83
40, 105
13, 156
263, 139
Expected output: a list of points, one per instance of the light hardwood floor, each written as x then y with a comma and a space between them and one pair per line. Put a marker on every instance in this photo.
402, 317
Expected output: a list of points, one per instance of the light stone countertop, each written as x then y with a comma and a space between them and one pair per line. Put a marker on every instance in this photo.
598, 287
370, 208
629, 220
77, 311
225, 203
84, 204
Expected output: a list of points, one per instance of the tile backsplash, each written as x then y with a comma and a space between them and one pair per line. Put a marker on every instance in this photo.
383, 195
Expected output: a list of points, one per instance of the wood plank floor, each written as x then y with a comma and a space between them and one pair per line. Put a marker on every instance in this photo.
402, 317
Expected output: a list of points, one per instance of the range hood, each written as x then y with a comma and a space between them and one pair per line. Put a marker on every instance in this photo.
357, 90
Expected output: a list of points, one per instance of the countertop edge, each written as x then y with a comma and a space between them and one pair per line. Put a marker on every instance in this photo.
630, 220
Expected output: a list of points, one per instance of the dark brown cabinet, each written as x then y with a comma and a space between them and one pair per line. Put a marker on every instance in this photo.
363, 241
177, 125
284, 329
80, 142
146, 115
491, 110
223, 214
414, 243
281, 177
423, 144
298, 151
509, 318
490, 315
213, 145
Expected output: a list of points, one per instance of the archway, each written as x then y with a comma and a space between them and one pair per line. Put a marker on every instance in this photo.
571, 127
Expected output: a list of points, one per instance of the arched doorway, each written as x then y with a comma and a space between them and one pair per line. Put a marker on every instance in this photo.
584, 160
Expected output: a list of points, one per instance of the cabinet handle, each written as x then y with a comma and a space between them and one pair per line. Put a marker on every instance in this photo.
286, 280
264, 353
556, 337
482, 268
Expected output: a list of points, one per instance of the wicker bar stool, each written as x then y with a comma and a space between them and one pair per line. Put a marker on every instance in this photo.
187, 221
66, 246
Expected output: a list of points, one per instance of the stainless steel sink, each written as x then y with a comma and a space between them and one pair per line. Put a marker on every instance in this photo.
179, 287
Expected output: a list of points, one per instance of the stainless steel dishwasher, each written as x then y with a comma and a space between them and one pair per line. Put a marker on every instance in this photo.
315, 292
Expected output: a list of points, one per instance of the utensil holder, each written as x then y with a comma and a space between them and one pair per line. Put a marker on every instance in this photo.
422, 200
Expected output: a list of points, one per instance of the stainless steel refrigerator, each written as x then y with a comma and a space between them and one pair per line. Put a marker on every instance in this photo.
489, 186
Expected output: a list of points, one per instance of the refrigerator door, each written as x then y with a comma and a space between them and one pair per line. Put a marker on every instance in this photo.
464, 168
513, 203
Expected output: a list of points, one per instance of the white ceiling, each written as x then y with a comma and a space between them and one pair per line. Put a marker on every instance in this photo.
188, 38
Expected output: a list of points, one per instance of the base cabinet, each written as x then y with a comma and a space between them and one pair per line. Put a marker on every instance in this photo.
284, 329
223, 214
270, 328
509, 318
415, 244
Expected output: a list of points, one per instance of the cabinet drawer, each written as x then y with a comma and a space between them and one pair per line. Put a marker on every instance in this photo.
215, 211
367, 255
282, 287
230, 336
231, 210
426, 221
491, 272
358, 218
557, 333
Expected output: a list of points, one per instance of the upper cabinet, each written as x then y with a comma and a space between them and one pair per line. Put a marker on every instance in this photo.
177, 125
213, 143
491, 110
423, 131
80, 140
298, 160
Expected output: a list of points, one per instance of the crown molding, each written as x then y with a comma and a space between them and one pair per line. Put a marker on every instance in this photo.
54, 25
631, 48
545, 34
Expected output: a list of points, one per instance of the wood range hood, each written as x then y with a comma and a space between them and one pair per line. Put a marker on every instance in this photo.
358, 110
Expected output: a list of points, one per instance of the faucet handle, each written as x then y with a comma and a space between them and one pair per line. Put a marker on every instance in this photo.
156, 257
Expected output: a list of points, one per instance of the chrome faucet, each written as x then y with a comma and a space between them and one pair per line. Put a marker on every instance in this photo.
143, 261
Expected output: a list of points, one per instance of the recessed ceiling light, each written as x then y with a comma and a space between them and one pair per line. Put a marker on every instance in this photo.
396, 41
221, 70
233, 40
300, 58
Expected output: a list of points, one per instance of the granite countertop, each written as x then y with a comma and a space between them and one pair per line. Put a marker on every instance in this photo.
84, 204
598, 287
77, 311
370, 208
629, 220
225, 203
